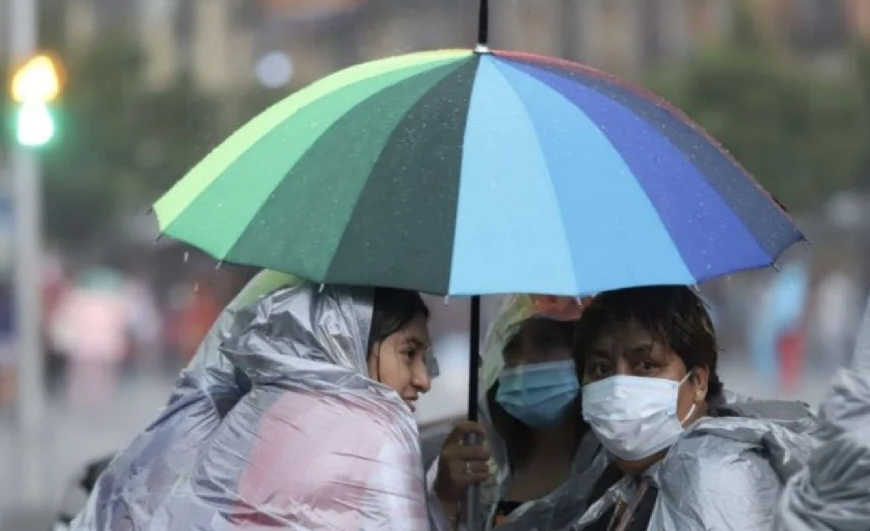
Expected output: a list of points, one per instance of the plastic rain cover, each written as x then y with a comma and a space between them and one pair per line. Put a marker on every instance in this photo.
560, 507
808, 473
726, 473
833, 492
273, 425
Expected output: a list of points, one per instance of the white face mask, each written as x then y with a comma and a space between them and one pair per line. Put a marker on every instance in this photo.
634, 417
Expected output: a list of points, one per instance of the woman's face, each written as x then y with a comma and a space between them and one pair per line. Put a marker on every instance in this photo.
399, 361
629, 349
538, 341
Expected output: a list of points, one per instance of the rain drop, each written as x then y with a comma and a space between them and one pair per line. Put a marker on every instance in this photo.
186, 256
196, 287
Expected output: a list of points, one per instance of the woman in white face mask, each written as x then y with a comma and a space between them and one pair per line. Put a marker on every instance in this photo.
643, 380
647, 362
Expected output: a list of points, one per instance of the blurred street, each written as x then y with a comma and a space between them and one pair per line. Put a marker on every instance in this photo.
111, 101
73, 439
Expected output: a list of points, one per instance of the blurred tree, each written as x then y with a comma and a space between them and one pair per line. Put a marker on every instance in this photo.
862, 86
120, 143
801, 135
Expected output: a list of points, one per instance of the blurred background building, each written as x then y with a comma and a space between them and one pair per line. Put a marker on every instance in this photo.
154, 84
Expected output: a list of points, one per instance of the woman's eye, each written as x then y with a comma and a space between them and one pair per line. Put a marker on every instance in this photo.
647, 366
409, 353
597, 370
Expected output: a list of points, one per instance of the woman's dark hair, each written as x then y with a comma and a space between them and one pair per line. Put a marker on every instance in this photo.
516, 435
674, 315
393, 309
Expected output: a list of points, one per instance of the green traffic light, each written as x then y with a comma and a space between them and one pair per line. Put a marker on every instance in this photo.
34, 125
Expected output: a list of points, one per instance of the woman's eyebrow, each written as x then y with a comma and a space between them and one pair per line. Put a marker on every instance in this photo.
414, 342
641, 349
599, 354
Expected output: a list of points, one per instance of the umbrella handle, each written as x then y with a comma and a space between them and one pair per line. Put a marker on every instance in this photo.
472, 498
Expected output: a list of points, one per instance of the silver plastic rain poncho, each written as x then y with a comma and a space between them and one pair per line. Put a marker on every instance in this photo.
726, 473
561, 506
729, 472
833, 492
779, 471
275, 424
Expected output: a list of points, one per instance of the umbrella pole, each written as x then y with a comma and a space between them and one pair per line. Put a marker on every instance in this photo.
474, 357
483, 24
472, 503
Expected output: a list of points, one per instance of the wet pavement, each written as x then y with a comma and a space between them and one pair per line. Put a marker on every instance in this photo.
71, 440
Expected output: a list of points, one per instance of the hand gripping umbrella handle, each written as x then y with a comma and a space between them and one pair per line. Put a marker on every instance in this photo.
472, 501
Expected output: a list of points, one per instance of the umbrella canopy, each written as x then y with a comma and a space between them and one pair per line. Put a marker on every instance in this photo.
459, 172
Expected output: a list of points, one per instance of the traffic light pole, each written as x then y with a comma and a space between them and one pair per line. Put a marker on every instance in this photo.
27, 189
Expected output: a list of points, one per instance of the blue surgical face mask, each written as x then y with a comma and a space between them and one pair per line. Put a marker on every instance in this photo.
539, 395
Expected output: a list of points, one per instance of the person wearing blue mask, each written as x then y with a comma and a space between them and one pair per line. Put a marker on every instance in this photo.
537, 447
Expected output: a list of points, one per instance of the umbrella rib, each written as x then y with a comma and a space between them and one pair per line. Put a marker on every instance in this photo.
589, 78
609, 141
436, 86
540, 149
228, 253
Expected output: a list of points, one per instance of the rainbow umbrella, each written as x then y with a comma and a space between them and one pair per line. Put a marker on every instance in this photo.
474, 172
477, 172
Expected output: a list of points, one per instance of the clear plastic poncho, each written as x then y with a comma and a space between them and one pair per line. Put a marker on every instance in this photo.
774, 471
565, 503
275, 424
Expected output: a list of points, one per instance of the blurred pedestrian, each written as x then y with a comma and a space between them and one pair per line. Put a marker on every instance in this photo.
145, 325
777, 341
7, 347
838, 304
198, 308
90, 327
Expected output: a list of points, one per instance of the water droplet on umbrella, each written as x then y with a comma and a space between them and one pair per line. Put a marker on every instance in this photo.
186, 256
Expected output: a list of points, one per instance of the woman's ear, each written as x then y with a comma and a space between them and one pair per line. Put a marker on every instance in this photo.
700, 380
373, 360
